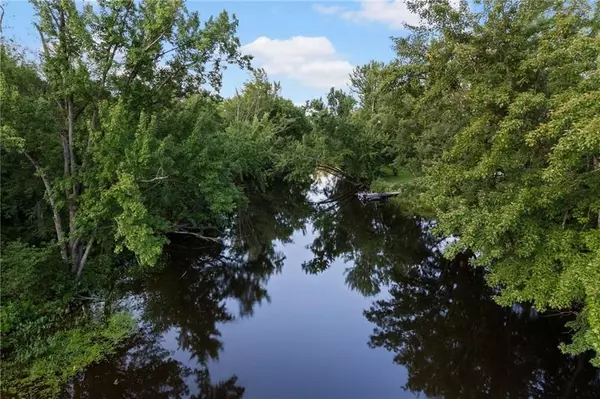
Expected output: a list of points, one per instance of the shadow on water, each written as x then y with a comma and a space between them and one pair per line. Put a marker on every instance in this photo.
442, 325
437, 317
185, 301
144, 369
187, 298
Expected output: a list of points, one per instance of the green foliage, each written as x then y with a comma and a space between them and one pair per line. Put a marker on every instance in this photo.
503, 105
33, 283
112, 141
44, 367
495, 109
86, 119
338, 142
263, 131
39, 352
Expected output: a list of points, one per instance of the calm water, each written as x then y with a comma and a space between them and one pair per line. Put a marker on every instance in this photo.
339, 300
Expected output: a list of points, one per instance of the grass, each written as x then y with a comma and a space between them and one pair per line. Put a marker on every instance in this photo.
390, 182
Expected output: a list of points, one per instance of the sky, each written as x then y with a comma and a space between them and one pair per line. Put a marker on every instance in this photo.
308, 46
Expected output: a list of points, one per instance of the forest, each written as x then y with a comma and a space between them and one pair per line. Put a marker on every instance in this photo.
115, 142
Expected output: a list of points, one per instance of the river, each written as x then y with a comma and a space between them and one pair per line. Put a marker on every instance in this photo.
338, 300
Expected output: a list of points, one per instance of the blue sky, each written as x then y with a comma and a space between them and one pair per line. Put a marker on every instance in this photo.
308, 46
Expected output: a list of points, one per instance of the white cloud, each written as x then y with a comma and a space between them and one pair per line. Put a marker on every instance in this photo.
393, 13
312, 61
328, 10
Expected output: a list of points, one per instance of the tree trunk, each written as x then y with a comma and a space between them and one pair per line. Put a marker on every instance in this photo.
83, 259
55, 214
597, 168
73, 241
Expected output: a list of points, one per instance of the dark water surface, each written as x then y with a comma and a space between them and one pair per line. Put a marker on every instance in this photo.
340, 300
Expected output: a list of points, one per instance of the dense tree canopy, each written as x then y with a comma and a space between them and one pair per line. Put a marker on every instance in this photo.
496, 109
517, 181
115, 141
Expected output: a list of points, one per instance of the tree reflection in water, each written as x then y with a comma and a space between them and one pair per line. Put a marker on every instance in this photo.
187, 298
144, 369
440, 320
374, 239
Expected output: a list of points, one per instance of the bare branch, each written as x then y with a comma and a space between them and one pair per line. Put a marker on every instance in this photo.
137, 65
80, 110
154, 42
195, 235
71, 134
160, 55
65, 155
72, 196
155, 179
43, 40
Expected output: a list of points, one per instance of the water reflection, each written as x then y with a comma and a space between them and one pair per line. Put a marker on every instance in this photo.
270, 216
438, 317
187, 298
374, 240
144, 369
184, 300
441, 321
443, 326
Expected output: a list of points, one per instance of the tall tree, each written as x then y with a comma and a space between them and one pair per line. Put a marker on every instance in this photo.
510, 103
366, 82
145, 54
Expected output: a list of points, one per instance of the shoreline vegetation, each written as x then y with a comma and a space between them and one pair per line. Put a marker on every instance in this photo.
115, 137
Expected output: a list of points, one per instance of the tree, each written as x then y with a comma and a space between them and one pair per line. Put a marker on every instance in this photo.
103, 70
338, 142
366, 82
517, 182
507, 136
110, 140
263, 128
496, 109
